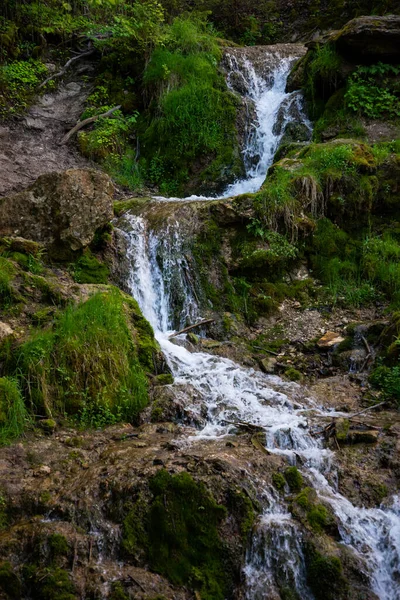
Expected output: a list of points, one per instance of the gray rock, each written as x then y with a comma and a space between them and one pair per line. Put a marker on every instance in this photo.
62, 210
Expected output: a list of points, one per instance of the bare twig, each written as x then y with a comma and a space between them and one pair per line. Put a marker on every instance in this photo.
65, 68
85, 122
205, 322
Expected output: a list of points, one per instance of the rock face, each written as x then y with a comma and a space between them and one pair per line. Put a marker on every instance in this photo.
371, 38
62, 210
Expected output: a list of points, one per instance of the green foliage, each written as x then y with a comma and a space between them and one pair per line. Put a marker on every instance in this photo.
387, 379
88, 269
294, 479
380, 264
18, 81
87, 365
180, 534
109, 135
195, 114
373, 91
322, 74
13, 414
58, 545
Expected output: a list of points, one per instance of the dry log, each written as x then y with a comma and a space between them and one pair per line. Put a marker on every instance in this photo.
65, 68
85, 122
205, 322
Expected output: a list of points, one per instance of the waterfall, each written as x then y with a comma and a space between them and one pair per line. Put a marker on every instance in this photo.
273, 110
233, 393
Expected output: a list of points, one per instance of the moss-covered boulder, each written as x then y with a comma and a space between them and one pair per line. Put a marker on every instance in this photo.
92, 362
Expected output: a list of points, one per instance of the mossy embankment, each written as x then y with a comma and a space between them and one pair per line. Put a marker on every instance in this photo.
81, 351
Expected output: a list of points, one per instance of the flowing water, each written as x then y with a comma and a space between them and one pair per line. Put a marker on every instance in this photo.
160, 274
273, 107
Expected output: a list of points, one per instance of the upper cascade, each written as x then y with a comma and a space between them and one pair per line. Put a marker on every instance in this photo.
258, 75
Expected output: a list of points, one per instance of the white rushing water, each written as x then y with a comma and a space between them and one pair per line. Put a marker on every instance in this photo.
274, 108
233, 393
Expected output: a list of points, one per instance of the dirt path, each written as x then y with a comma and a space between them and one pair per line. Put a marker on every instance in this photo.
31, 147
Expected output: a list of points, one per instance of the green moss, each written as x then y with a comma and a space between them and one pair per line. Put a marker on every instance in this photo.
179, 534
279, 481
342, 428
294, 479
49, 583
325, 576
88, 269
10, 583
306, 498
58, 545
164, 379
242, 507
293, 374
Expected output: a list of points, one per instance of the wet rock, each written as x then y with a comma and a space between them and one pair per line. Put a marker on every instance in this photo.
329, 340
193, 338
62, 210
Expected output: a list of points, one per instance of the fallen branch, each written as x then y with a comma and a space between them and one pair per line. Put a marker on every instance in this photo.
266, 350
205, 322
65, 68
245, 425
366, 410
367, 346
85, 122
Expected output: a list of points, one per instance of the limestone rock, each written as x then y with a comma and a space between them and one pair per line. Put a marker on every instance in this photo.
375, 38
330, 339
62, 210
268, 365
5, 331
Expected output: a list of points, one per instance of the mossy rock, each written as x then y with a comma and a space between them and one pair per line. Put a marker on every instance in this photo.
88, 269
279, 481
325, 576
178, 531
294, 479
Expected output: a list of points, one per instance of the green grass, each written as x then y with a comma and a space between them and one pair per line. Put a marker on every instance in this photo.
86, 366
7, 273
13, 413
194, 113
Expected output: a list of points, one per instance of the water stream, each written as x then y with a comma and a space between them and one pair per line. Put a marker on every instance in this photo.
233, 393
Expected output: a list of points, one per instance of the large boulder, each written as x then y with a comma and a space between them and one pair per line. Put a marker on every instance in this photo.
62, 210
370, 39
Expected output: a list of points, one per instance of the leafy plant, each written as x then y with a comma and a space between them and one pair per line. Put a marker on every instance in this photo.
373, 92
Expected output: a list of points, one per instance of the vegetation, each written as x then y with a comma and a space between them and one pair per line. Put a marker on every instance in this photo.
87, 365
179, 533
14, 416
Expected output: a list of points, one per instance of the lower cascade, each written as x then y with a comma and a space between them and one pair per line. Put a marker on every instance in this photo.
231, 393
